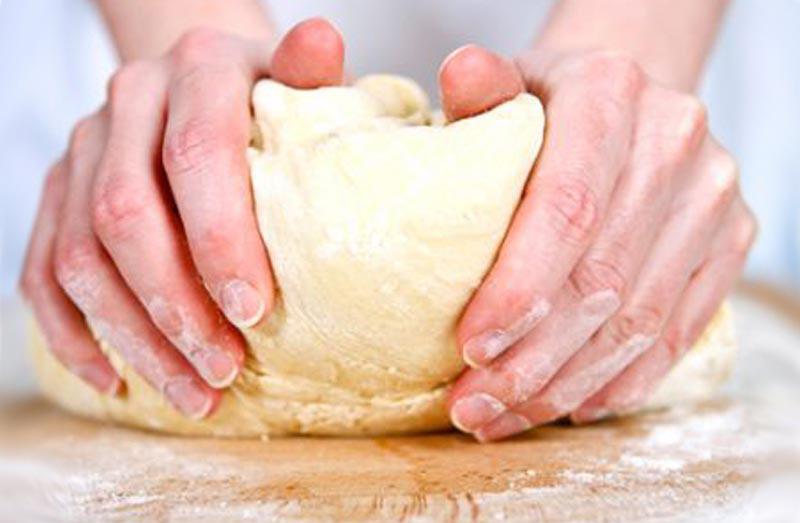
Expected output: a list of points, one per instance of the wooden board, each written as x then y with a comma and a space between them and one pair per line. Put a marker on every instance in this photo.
717, 459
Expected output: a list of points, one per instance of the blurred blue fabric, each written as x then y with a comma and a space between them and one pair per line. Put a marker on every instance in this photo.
55, 59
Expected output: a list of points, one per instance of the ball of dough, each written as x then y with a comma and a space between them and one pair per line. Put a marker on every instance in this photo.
380, 222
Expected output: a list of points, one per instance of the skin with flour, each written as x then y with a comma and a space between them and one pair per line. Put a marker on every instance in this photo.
591, 180
373, 275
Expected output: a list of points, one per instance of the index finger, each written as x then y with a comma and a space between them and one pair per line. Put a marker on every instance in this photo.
207, 133
584, 150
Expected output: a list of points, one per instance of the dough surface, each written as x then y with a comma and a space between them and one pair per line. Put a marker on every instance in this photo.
380, 223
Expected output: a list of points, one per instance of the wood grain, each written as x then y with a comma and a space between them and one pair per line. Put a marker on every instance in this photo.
71, 467
689, 463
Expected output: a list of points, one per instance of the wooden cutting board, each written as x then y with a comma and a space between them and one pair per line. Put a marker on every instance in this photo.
691, 463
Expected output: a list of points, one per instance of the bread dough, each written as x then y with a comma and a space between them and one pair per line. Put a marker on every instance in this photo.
380, 222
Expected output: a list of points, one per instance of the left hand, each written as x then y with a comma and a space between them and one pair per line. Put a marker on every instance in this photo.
629, 234
146, 231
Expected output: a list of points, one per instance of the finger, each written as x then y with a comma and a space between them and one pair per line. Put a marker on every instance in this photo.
585, 147
481, 395
134, 220
473, 80
206, 134
62, 324
85, 272
310, 55
679, 250
207, 131
630, 390
599, 282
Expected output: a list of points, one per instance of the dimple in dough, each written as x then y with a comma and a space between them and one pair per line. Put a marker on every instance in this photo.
380, 222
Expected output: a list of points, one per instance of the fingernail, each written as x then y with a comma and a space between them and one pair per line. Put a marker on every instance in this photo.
100, 378
241, 303
189, 397
220, 369
452, 55
471, 412
480, 350
506, 425
335, 27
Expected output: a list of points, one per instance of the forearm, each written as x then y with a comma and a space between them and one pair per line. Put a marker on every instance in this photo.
670, 39
147, 28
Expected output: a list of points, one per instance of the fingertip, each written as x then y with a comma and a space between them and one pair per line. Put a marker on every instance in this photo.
222, 368
586, 415
473, 80
469, 358
487, 330
473, 411
243, 304
310, 55
505, 426
101, 376
191, 397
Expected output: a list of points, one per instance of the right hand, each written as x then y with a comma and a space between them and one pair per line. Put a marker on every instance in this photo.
630, 233
146, 230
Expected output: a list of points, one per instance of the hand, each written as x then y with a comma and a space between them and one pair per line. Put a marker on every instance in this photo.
146, 229
629, 234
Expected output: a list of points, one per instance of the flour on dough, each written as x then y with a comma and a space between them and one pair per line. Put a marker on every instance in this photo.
380, 222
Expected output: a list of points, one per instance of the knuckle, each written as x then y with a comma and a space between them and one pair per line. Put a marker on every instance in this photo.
600, 116
726, 170
81, 135
573, 210
635, 321
597, 274
188, 148
725, 179
680, 337
55, 177
82, 139
746, 234
195, 45
676, 340
211, 241
124, 83
116, 211
504, 285
200, 78
73, 259
517, 384
657, 178
31, 282
691, 125
676, 131
517, 298
615, 74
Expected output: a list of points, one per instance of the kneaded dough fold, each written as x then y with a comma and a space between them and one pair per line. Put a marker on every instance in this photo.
380, 222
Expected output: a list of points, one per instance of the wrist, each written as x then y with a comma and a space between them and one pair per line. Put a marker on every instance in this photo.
669, 39
148, 28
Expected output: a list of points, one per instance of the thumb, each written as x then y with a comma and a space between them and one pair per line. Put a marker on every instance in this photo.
473, 80
310, 55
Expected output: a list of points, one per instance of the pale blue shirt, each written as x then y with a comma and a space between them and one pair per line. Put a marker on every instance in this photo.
55, 59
